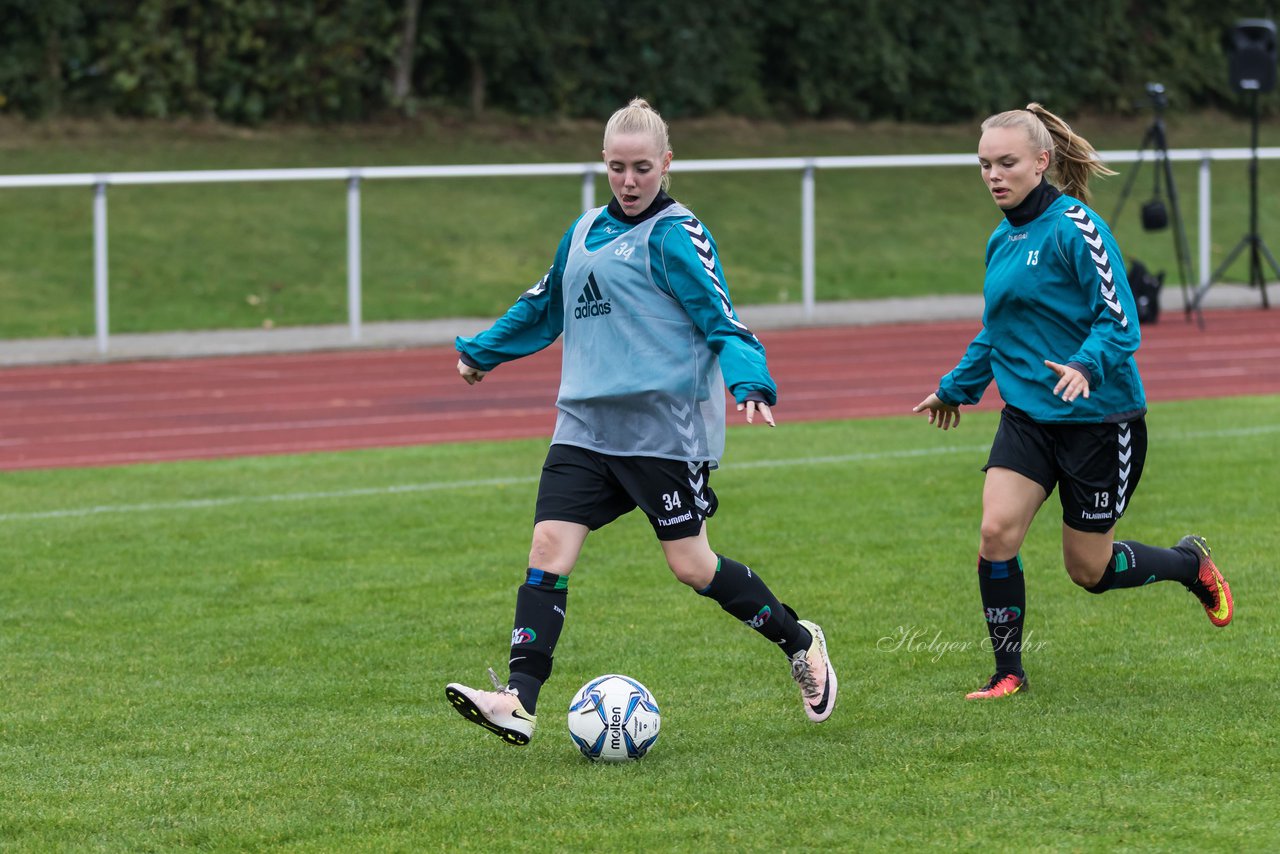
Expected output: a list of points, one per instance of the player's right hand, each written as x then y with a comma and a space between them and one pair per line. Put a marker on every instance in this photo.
470, 374
752, 407
941, 415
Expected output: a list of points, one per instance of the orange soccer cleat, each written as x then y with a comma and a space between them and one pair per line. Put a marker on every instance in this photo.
1210, 587
1000, 685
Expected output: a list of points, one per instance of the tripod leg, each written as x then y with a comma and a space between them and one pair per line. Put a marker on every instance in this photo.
1230, 259
1255, 262
1180, 245
1222, 268
1252, 239
1262, 247
1147, 140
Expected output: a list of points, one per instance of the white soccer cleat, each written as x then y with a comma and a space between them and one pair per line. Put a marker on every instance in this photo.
813, 673
498, 711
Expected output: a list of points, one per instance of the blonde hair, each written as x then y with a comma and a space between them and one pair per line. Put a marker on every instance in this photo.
640, 118
1072, 160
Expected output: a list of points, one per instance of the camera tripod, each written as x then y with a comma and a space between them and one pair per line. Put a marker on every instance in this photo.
1252, 240
1157, 141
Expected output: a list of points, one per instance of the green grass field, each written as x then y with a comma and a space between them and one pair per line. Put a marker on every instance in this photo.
245, 255
251, 653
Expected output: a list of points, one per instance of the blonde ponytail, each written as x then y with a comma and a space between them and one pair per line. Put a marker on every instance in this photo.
1072, 160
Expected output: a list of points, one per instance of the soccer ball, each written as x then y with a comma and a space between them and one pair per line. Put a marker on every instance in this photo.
614, 718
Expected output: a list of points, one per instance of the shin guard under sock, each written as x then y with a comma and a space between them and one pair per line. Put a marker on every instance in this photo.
540, 604
742, 593
1134, 564
1004, 603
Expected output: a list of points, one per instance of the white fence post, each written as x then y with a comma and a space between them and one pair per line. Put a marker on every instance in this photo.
353, 254
588, 188
100, 264
806, 241
1203, 223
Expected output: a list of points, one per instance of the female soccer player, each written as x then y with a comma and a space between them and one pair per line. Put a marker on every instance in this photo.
638, 292
1059, 331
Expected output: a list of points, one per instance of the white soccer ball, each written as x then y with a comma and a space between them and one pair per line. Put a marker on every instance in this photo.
614, 718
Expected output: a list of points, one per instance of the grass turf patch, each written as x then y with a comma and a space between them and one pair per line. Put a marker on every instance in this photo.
251, 653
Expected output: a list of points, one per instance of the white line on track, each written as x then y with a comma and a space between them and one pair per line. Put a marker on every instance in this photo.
437, 486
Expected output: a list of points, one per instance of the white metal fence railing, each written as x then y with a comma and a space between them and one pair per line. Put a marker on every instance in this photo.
353, 177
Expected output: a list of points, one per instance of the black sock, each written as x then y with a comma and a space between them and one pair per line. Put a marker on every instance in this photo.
1004, 602
540, 604
745, 595
1134, 564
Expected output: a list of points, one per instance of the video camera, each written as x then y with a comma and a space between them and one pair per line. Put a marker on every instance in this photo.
1159, 98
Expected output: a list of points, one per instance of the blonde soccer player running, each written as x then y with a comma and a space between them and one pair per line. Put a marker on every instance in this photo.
1058, 335
651, 339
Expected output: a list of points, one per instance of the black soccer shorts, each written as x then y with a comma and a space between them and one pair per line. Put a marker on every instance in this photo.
593, 489
1096, 467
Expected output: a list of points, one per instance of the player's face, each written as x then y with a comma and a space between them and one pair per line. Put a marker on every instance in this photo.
1011, 167
636, 165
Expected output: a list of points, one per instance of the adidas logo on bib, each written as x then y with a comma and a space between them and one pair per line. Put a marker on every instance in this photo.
590, 302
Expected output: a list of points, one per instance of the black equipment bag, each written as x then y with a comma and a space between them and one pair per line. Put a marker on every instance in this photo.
1146, 287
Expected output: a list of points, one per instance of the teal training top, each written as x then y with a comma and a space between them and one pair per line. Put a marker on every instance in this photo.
650, 336
1055, 289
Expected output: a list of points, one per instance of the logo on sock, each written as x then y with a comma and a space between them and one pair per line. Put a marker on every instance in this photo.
759, 619
525, 635
1003, 615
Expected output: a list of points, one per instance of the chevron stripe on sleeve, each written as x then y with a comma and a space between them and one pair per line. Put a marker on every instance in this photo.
702, 243
1106, 277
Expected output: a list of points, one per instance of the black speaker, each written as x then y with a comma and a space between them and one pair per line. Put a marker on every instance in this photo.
1251, 54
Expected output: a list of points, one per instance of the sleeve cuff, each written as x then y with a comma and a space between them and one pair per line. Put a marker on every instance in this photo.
1088, 375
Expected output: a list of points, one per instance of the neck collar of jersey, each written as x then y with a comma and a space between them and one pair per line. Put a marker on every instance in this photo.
1036, 203
660, 203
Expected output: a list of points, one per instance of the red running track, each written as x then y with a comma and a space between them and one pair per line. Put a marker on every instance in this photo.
151, 411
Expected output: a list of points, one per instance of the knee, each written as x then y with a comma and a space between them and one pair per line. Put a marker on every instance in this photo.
1083, 572
1086, 557
548, 553
999, 540
696, 571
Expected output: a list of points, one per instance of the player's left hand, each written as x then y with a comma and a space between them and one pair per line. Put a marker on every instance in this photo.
753, 406
470, 374
941, 415
1071, 383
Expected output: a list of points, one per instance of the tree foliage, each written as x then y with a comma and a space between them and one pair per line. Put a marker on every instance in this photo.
249, 61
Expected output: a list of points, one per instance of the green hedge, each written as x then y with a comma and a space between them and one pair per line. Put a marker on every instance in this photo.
249, 61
